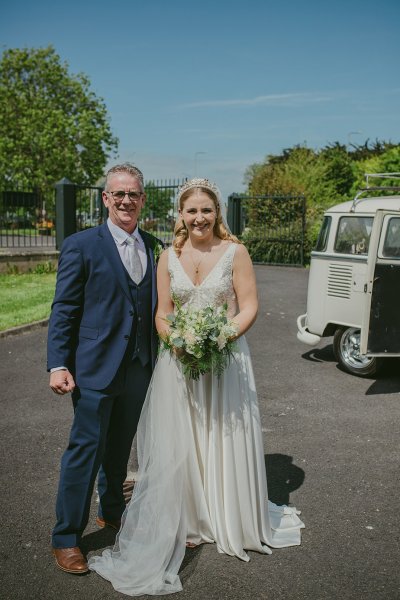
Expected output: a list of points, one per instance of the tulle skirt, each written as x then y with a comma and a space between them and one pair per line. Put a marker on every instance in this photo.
201, 479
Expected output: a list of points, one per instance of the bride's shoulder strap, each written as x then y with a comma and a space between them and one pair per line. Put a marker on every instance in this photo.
227, 259
171, 257
232, 249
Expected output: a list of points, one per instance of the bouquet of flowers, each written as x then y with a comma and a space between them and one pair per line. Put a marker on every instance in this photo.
201, 338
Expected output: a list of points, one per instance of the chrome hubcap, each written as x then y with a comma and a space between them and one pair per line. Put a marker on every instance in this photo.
350, 349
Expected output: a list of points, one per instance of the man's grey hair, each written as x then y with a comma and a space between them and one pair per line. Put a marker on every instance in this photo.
125, 168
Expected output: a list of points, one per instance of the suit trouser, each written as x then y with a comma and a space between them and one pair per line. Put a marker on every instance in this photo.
104, 425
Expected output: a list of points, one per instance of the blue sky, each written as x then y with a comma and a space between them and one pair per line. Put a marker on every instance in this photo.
208, 88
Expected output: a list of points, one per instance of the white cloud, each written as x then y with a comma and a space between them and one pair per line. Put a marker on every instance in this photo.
293, 99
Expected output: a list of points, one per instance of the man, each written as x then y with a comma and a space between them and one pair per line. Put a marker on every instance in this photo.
102, 346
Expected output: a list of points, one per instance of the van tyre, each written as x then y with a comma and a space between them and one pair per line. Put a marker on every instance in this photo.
346, 347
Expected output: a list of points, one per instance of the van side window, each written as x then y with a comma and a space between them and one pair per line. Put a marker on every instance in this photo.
391, 247
353, 235
323, 235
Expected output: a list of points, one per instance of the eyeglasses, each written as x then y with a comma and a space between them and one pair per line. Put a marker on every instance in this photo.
119, 195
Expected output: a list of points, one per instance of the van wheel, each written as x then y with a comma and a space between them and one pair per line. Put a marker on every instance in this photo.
346, 347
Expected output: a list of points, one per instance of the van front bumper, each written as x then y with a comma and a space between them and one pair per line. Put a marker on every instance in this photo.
305, 336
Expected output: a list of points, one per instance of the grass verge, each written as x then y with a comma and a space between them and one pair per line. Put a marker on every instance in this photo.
25, 298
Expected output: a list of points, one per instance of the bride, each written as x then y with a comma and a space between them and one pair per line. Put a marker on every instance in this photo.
200, 449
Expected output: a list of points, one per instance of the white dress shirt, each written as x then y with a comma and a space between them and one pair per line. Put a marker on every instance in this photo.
120, 236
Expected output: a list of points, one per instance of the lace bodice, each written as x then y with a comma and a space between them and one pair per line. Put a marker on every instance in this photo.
214, 290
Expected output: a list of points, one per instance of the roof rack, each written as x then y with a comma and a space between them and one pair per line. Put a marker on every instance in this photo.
381, 176
378, 188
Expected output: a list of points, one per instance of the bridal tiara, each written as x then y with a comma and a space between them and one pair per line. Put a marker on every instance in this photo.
196, 183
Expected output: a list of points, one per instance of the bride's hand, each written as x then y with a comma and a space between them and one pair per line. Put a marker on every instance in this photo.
179, 352
237, 335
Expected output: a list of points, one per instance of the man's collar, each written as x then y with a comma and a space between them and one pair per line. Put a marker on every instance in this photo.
119, 234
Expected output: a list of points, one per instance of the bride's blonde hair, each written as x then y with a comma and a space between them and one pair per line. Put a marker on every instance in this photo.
181, 233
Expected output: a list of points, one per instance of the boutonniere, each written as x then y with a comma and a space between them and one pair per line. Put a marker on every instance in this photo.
158, 248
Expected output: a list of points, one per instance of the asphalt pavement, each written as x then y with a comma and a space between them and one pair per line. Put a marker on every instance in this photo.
331, 446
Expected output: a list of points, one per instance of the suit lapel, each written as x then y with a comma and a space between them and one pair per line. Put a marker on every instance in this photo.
149, 242
110, 251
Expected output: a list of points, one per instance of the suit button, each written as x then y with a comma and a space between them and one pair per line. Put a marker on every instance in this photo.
126, 337
139, 318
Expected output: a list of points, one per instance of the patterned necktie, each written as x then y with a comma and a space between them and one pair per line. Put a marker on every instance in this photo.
134, 265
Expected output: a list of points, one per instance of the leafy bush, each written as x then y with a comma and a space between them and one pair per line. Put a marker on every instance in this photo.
43, 268
39, 269
274, 252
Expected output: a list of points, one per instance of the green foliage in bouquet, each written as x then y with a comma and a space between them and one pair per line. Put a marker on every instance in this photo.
201, 339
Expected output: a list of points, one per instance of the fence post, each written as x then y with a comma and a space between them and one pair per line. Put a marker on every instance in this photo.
234, 216
103, 208
303, 228
65, 210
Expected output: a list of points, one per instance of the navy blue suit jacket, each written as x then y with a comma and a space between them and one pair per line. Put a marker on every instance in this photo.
92, 311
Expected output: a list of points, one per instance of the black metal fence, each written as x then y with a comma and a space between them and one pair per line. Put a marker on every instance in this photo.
89, 208
159, 213
272, 227
80, 207
157, 216
27, 219
32, 219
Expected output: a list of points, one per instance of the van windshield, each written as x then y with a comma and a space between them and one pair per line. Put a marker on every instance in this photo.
353, 235
391, 246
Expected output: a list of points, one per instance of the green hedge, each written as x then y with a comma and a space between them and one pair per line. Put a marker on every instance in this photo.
282, 253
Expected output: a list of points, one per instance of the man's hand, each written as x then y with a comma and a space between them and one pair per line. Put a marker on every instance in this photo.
62, 382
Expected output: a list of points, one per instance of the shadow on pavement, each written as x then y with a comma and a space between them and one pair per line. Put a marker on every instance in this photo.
320, 355
388, 380
98, 540
283, 477
189, 563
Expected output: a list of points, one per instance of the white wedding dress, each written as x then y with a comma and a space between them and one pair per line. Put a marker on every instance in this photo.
201, 463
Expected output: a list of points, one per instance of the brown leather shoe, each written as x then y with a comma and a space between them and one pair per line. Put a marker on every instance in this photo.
70, 560
105, 523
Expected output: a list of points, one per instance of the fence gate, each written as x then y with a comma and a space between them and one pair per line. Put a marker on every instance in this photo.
271, 226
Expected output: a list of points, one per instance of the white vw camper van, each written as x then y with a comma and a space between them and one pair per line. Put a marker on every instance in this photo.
354, 281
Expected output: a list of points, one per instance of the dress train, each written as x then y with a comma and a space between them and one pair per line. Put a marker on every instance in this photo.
201, 479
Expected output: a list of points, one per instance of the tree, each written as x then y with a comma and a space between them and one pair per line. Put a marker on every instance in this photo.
159, 201
338, 169
326, 177
387, 161
51, 124
295, 171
